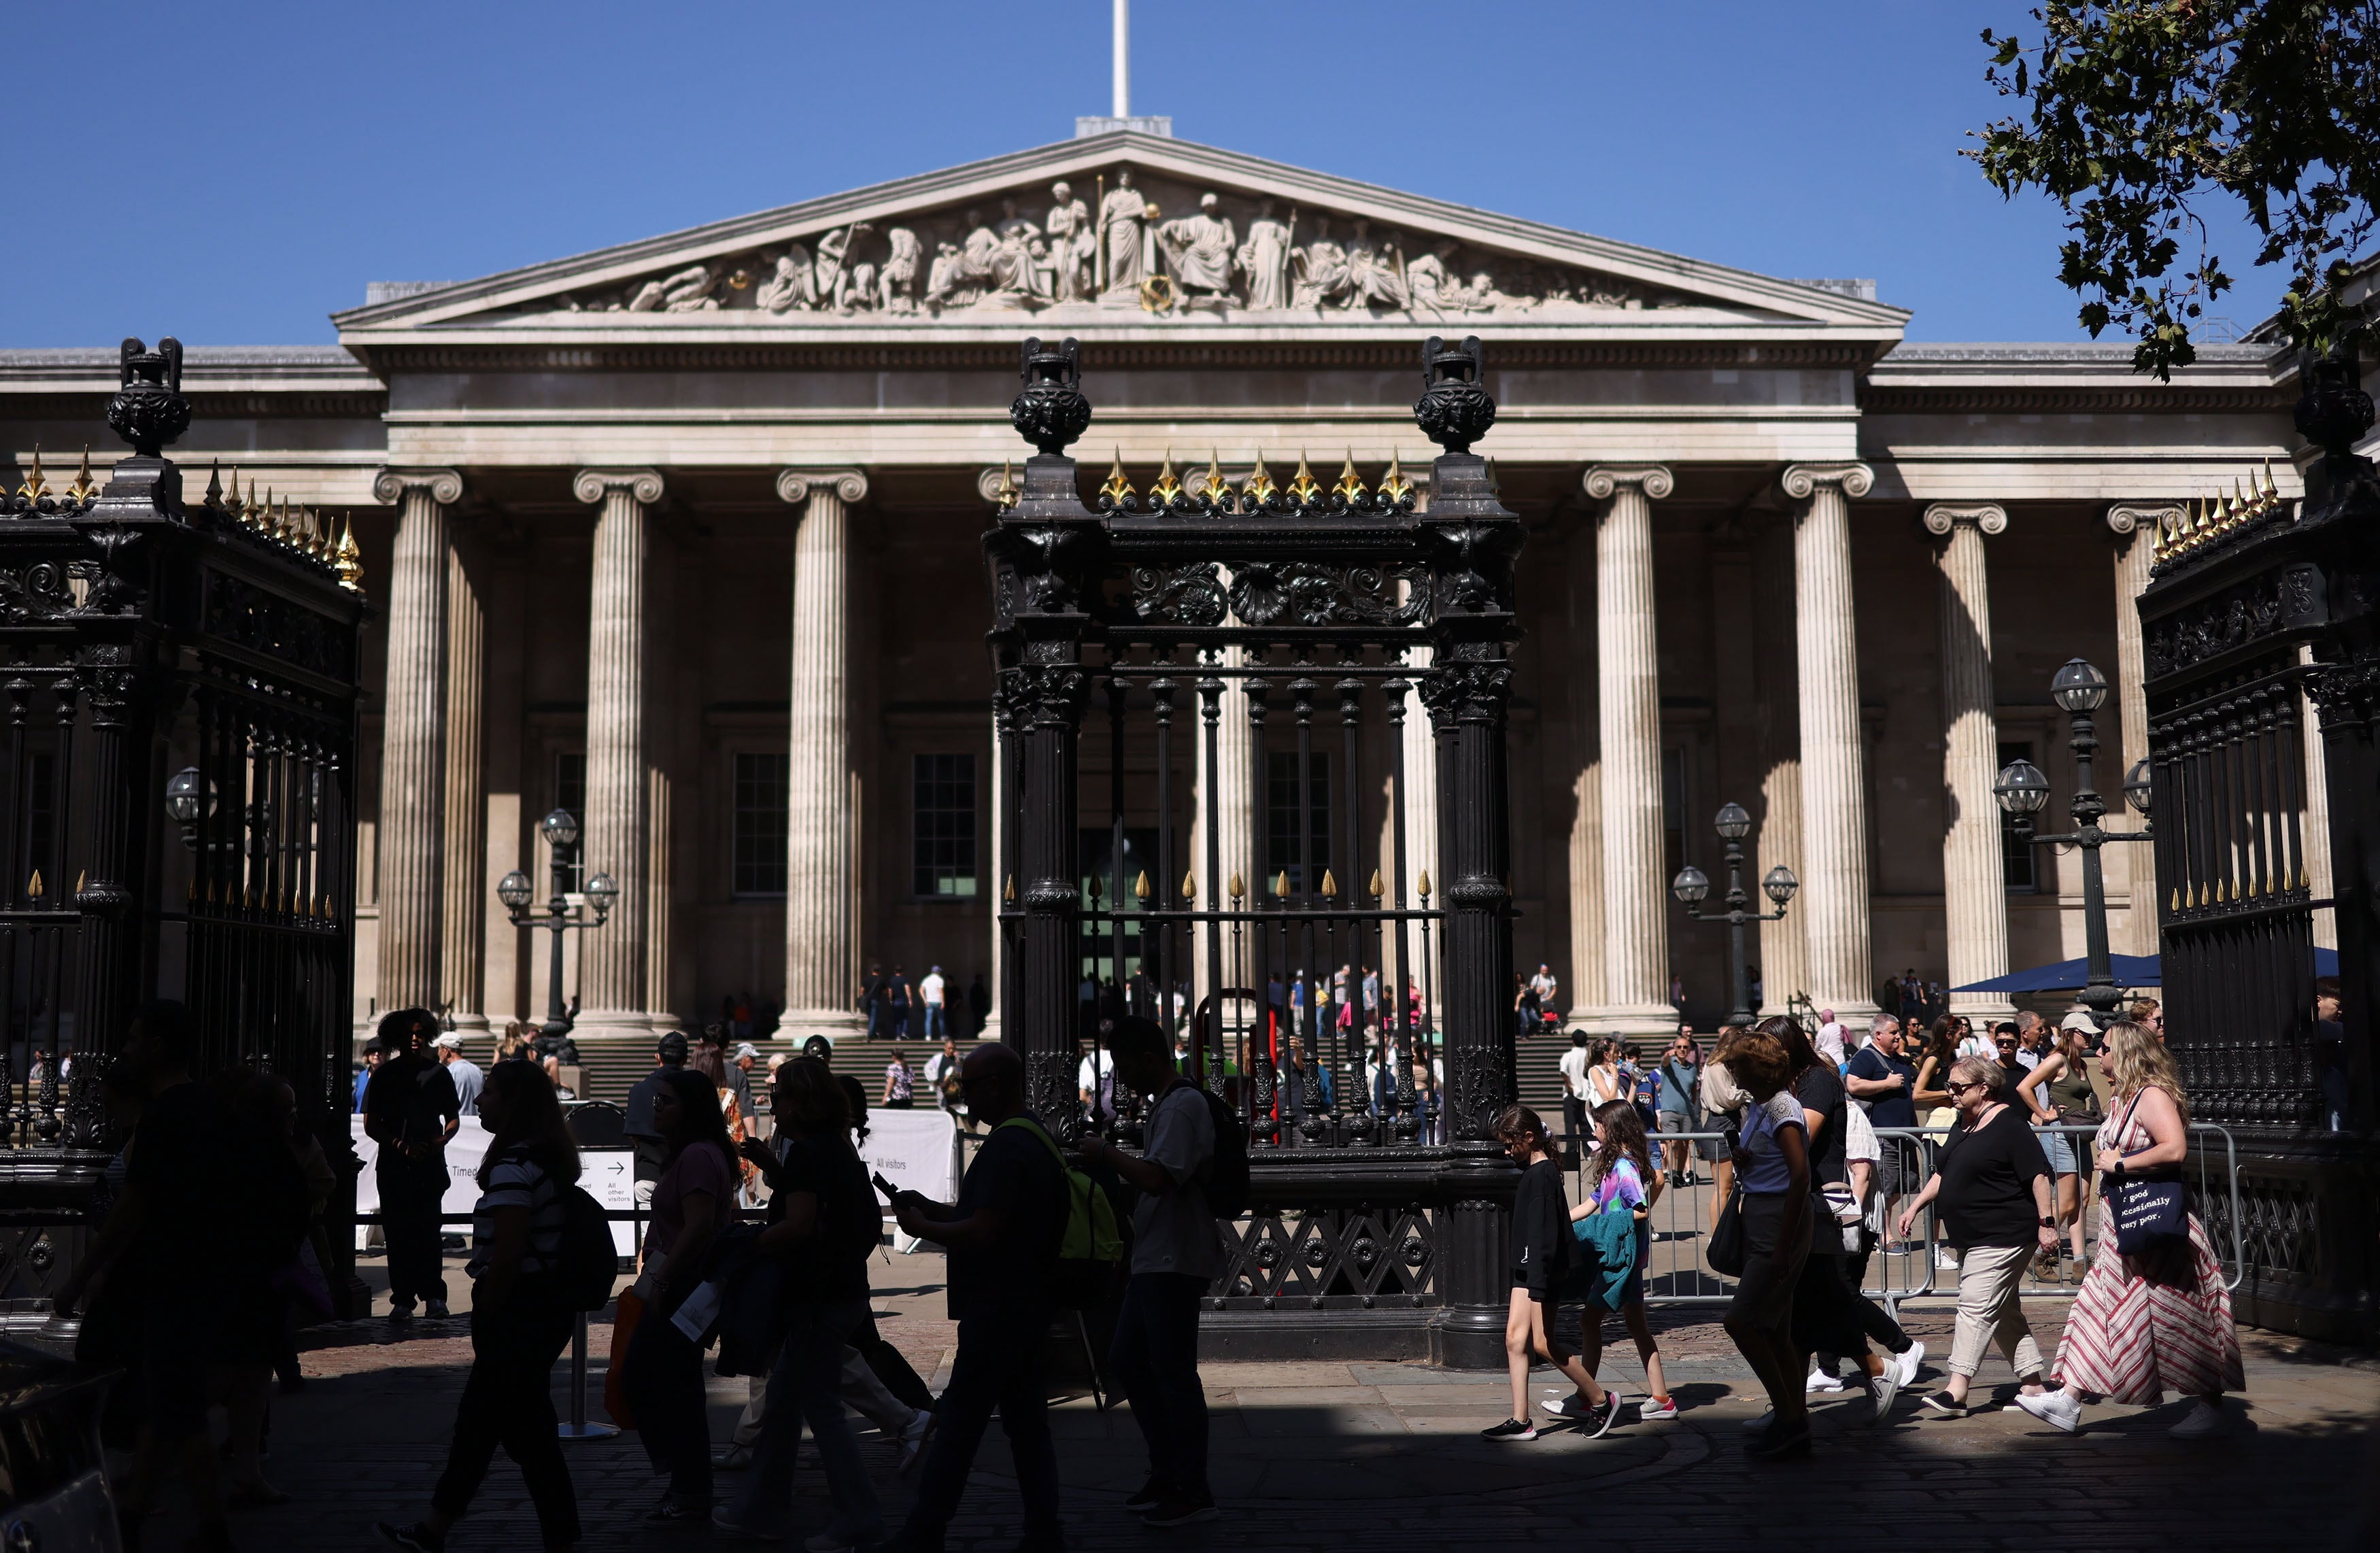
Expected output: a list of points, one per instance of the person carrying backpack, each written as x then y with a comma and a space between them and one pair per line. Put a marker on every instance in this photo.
1002, 1235
522, 1312
1176, 1255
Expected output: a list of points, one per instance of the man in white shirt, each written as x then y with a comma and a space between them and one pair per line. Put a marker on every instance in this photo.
1830, 1038
1574, 1064
930, 989
1177, 1252
1095, 1081
1544, 985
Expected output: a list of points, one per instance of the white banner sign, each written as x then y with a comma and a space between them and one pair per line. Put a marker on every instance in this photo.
916, 1150
609, 1176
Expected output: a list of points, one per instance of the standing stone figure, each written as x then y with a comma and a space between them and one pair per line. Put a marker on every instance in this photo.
1121, 215
1198, 247
896, 284
833, 250
794, 287
1264, 259
1072, 244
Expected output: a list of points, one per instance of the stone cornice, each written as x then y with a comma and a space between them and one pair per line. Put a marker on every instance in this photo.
1602, 480
1802, 480
1990, 518
590, 485
445, 486
793, 485
2128, 398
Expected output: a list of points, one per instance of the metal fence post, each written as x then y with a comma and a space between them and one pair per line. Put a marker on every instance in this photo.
578, 1427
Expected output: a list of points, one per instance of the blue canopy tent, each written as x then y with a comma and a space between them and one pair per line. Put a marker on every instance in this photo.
2129, 970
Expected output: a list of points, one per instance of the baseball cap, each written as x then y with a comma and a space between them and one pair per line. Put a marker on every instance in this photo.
745, 1049
2079, 1019
449, 1041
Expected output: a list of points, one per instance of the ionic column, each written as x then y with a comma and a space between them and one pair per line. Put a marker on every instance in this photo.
821, 932
1235, 807
1834, 900
461, 937
617, 829
1635, 907
413, 750
2133, 527
1586, 788
1784, 951
1975, 887
1419, 744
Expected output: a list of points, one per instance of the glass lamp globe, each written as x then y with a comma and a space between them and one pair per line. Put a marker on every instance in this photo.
602, 892
182, 796
513, 890
1779, 884
2021, 789
560, 828
2136, 785
2079, 688
1732, 823
1691, 885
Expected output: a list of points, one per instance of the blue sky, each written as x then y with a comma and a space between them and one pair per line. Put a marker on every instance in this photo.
231, 173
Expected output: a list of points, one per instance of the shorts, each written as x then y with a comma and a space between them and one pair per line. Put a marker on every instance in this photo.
2059, 1147
1896, 1167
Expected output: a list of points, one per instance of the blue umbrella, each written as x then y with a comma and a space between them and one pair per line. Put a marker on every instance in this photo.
2129, 970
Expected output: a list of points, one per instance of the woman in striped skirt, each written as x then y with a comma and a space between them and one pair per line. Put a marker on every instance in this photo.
2148, 1324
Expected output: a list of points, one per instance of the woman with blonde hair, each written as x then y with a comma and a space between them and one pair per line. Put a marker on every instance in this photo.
2160, 1319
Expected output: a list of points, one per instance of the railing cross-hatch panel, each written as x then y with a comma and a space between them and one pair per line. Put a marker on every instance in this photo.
1287, 670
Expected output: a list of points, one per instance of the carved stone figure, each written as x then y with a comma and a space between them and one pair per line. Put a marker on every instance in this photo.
1121, 215
1429, 283
946, 282
793, 287
896, 284
1264, 259
1198, 248
833, 250
978, 252
1320, 269
1481, 296
684, 292
1372, 275
1011, 256
1071, 245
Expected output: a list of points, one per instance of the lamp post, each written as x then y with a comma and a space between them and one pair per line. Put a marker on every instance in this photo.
560, 829
1692, 885
2021, 790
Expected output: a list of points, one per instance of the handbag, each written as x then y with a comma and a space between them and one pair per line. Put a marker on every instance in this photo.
2151, 1212
1725, 1248
1844, 1206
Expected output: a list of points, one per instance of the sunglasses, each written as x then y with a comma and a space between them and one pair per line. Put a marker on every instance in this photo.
1962, 1088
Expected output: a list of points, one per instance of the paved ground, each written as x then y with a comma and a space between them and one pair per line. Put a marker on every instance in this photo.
1314, 1455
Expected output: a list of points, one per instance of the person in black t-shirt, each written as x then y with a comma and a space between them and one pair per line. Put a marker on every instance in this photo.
410, 1110
1003, 1236
1542, 1251
1881, 1077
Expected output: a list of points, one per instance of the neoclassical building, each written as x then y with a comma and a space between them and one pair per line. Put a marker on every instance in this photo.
682, 535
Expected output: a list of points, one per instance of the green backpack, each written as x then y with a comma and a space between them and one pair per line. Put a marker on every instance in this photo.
1091, 1253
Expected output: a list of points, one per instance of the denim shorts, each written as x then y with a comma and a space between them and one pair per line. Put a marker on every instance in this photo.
2059, 1147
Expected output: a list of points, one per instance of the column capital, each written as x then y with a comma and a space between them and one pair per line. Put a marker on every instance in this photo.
1802, 480
1603, 481
793, 485
445, 486
2127, 518
1988, 516
590, 485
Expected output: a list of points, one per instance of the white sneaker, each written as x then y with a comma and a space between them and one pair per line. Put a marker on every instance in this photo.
1651, 1412
1946, 1259
2057, 1409
1819, 1381
1908, 1364
913, 1437
1885, 1391
2203, 1419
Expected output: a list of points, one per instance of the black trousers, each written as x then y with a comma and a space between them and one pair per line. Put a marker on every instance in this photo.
508, 1400
1155, 1356
891, 1366
998, 1366
410, 1194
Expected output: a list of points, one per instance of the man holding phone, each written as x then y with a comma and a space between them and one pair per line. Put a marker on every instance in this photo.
1003, 1237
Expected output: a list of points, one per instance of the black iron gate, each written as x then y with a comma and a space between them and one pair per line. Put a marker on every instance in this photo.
1354, 1010
178, 687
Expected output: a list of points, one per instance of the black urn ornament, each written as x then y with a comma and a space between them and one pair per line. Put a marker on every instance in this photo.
1454, 410
1050, 411
2333, 412
149, 410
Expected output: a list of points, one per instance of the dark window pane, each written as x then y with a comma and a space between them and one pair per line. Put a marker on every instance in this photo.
2017, 858
1674, 813
757, 830
1281, 832
941, 819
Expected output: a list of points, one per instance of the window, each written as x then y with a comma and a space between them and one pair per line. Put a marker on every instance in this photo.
1282, 836
570, 793
2018, 859
942, 816
756, 824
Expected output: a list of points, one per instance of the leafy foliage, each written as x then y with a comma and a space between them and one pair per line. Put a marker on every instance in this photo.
2141, 111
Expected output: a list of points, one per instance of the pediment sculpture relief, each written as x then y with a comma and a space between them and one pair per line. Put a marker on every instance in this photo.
1160, 252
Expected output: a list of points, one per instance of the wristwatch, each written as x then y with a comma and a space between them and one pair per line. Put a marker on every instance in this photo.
2050, 1223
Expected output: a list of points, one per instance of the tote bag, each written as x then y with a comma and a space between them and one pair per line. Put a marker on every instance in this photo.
2150, 1211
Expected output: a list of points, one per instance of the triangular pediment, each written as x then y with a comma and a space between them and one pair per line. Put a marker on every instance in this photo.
1123, 229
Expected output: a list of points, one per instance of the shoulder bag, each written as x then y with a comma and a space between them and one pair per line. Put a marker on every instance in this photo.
1725, 1249
2151, 1211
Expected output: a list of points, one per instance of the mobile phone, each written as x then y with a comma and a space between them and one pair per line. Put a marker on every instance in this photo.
892, 1193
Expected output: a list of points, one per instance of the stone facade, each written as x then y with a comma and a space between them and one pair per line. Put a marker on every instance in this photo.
684, 533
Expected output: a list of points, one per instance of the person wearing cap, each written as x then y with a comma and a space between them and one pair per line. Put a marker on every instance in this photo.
644, 1133
469, 1079
374, 1054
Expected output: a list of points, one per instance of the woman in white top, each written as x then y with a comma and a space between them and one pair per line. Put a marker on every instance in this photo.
1605, 1082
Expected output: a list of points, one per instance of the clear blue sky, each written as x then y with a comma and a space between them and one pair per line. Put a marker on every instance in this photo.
231, 173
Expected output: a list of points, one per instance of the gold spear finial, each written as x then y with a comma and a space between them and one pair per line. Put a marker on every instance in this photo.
82, 490
215, 487
33, 886
1280, 882
1238, 889
1189, 887
1303, 486
1140, 886
1259, 489
1168, 486
1394, 487
1118, 489
1351, 484
1219, 490
1379, 887
1329, 884
1010, 892
350, 560
1006, 497
1425, 884
34, 488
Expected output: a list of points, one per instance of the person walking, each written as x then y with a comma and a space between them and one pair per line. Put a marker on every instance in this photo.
1003, 1236
410, 1110
2158, 1320
1543, 1250
897, 1002
1772, 1162
461, 1072
1606, 1081
1682, 1075
1177, 1252
1881, 1078
933, 997
1575, 1105
1862, 1156
662, 1376
824, 1225
900, 1083
520, 1319
1615, 1176
2058, 1094
651, 1150
1723, 1102
942, 1077
1991, 1182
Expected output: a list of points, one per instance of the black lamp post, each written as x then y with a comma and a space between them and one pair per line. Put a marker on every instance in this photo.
2021, 790
560, 829
1692, 885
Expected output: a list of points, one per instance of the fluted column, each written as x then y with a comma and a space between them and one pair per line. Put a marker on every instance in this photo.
821, 930
1834, 898
1420, 805
615, 832
2133, 527
461, 936
1585, 971
1635, 905
1784, 951
1975, 886
413, 737
1234, 810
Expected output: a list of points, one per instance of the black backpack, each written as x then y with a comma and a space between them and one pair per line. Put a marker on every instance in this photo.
588, 1264
1227, 1179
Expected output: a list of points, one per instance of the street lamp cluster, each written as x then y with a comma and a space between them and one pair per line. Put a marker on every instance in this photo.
560, 830
1691, 886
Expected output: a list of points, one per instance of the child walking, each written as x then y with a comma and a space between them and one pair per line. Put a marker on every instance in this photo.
1542, 1251
1616, 1173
